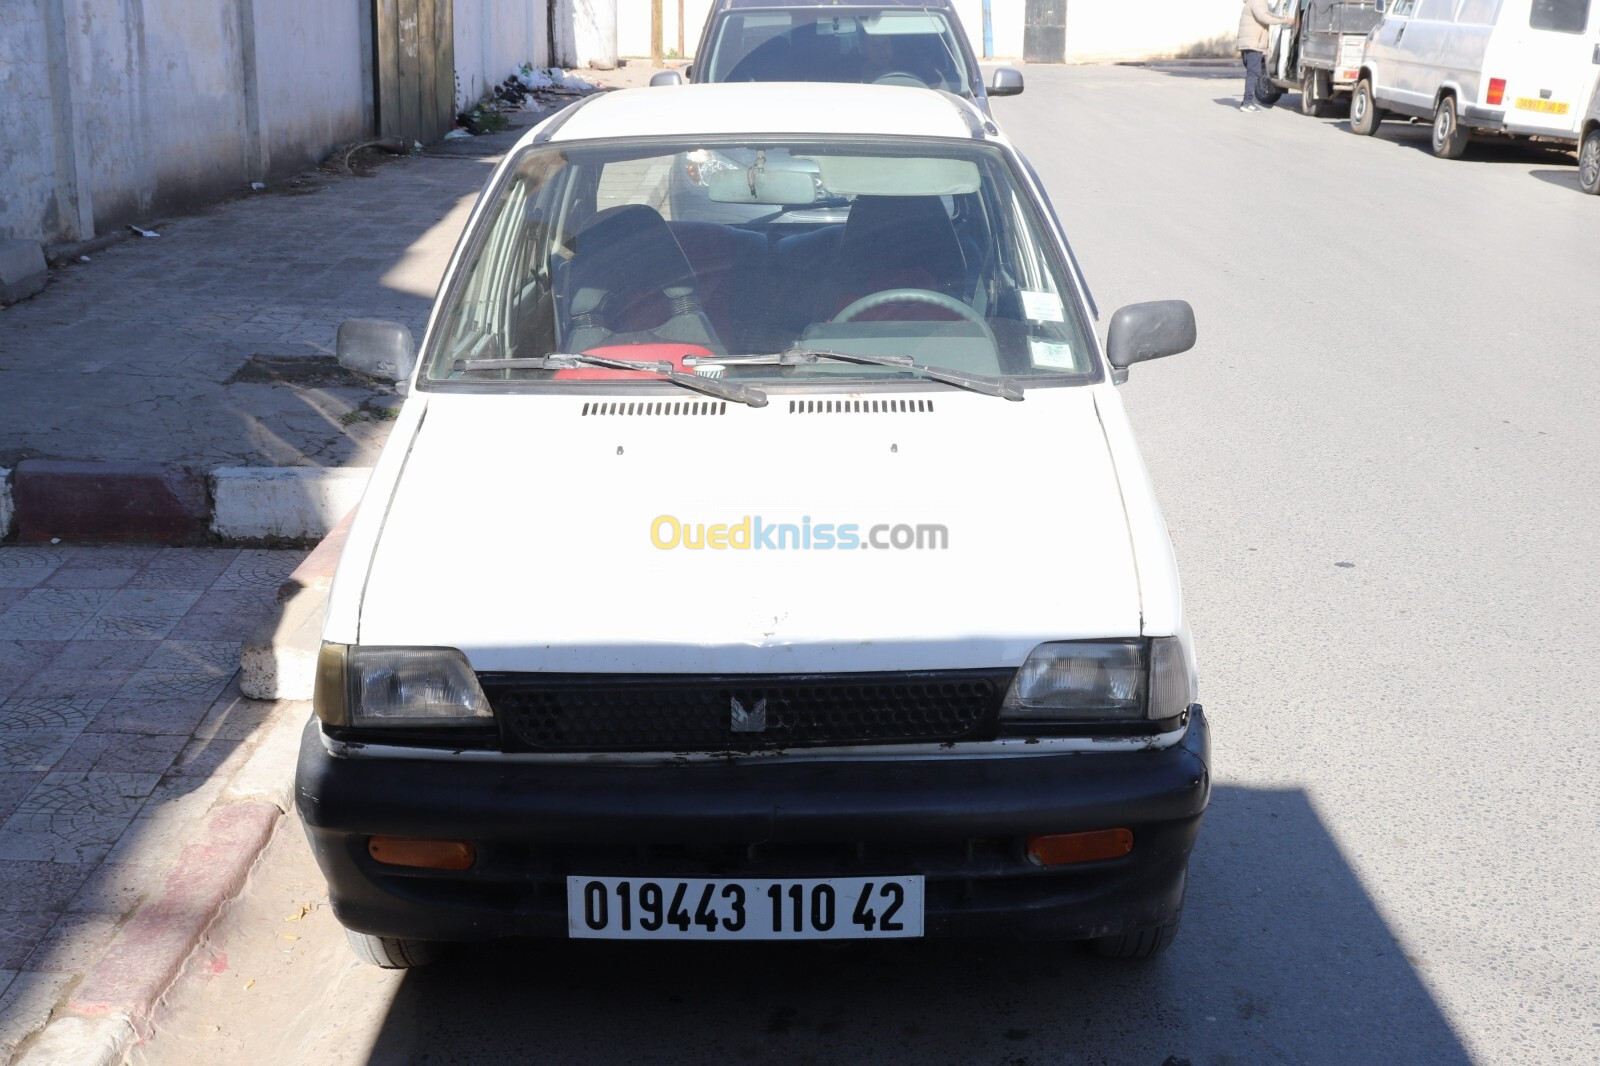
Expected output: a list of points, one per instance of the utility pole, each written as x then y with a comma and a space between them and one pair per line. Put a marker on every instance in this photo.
680, 29
656, 30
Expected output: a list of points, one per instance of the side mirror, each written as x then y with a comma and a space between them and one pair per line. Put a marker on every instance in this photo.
1005, 81
1381, 5
1148, 331
688, 72
377, 348
666, 77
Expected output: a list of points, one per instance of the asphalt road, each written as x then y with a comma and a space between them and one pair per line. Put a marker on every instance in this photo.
1378, 468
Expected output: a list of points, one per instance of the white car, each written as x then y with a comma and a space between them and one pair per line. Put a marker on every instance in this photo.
1519, 68
787, 572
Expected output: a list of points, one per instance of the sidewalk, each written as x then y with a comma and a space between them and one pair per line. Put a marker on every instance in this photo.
124, 739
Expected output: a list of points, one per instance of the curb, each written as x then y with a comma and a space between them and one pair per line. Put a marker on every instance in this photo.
279, 661
47, 501
114, 1005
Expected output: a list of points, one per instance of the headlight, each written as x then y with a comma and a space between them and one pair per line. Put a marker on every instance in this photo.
1109, 680
402, 687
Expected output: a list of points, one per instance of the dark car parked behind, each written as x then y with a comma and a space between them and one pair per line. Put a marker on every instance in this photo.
919, 44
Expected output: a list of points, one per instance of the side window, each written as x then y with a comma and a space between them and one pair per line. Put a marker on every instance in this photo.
1563, 16
1436, 10
1403, 8
1476, 13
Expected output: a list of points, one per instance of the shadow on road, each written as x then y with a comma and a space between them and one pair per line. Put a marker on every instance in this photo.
1283, 958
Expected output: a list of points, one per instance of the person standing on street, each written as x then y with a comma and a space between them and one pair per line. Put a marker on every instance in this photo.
1253, 23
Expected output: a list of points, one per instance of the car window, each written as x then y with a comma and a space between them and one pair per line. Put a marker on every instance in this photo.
1477, 12
714, 248
1563, 16
1437, 10
1403, 8
916, 48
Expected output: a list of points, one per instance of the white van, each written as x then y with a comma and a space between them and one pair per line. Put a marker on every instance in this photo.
1518, 67
1589, 150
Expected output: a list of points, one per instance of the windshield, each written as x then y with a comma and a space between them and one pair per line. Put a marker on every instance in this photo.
894, 47
677, 253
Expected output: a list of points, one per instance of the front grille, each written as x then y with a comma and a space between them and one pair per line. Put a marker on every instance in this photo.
572, 712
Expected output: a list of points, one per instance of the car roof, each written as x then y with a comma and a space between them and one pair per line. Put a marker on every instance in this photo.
736, 5
779, 108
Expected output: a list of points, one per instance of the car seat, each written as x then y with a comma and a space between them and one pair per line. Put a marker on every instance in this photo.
897, 242
628, 282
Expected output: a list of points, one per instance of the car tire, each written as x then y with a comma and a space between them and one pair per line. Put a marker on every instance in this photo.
1138, 943
1364, 113
389, 952
1267, 93
1449, 136
1314, 93
1589, 162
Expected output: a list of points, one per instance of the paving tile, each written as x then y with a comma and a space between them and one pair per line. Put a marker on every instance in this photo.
52, 614
21, 751
21, 659
211, 757
123, 556
41, 886
259, 568
150, 716
169, 817
74, 816
193, 683
140, 614
73, 944
14, 786
220, 658
28, 714
86, 577
224, 615
20, 933
134, 753
6, 977
103, 655
10, 596
25, 567
185, 568
69, 683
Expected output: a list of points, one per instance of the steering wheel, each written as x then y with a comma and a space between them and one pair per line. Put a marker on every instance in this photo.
900, 77
916, 296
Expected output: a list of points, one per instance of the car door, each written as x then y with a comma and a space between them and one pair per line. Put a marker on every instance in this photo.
1547, 51
1384, 51
1427, 47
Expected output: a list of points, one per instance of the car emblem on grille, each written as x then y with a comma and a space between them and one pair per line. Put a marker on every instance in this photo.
752, 721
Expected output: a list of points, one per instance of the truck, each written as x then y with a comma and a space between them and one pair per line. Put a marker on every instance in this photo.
1320, 55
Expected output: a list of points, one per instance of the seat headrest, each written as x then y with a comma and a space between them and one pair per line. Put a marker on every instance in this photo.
629, 250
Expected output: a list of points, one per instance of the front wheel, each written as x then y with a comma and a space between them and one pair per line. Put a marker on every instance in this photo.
1139, 943
1314, 93
1589, 163
1449, 138
389, 952
1364, 113
1267, 93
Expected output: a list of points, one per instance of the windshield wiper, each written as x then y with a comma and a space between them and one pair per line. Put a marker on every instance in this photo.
726, 390
989, 386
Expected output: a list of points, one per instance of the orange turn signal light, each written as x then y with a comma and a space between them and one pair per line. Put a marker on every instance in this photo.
427, 854
1063, 849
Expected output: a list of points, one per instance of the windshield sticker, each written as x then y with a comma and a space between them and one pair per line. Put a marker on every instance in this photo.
1041, 306
1052, 354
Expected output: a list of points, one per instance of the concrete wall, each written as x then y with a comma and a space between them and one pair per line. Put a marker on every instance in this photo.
586, 32
493, 38
1100, 30
1096, 29
115, 111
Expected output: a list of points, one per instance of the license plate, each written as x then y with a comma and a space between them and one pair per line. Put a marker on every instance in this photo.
1549, 107
667, 908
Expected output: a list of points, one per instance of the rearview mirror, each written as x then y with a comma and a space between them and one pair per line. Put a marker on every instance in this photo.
1148, 331
377, 348
666, 77
775, 188
1005, 81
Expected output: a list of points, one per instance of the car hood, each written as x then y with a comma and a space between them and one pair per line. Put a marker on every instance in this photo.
528, 531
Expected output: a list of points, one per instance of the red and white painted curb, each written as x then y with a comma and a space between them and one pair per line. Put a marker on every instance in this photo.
51, 500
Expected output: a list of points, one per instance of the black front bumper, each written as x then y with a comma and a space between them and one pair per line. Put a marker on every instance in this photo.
961, 823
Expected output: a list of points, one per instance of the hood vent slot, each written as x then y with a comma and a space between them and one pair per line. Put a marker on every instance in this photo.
860, 407
674, 407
